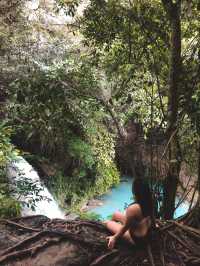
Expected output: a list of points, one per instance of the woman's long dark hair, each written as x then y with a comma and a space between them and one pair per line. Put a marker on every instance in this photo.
143, 196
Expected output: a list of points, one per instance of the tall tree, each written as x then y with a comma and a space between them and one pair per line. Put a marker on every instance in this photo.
173, 10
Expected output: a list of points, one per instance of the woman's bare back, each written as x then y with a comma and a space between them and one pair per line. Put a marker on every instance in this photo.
133, 225
139, 225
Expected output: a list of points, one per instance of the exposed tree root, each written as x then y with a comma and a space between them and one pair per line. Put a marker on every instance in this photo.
84, 243
150, 255
28, 252
102, 259
23, 243
16, 219
190, 230
11, 223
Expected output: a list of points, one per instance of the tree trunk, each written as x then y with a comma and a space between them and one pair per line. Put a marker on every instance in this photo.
198, 186
171, 182
196, 213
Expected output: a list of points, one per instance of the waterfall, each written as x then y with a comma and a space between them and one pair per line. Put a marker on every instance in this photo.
19, 170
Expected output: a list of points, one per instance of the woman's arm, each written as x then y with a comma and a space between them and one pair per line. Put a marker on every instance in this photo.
112, 239
122, 230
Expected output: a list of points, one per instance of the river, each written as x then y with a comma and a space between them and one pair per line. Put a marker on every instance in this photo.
119, 197
116, 199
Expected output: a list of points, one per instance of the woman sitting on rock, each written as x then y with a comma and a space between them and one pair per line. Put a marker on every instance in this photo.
135, 224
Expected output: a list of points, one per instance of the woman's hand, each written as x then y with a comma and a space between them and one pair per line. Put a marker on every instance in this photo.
111, 241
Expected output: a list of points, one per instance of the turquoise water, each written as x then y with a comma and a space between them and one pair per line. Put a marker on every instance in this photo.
120, 196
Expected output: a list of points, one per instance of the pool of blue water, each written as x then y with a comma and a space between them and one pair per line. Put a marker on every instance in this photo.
119, 197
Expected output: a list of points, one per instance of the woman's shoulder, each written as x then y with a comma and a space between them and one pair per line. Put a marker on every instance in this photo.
134, 209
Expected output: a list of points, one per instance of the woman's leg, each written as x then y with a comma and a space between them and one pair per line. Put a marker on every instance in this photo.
114, 227
118, 217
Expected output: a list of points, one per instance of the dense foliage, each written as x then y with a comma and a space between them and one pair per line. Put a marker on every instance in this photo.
9, 206
72, 84
157, 44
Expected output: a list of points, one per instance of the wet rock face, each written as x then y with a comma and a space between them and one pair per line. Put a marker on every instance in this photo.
135, 150
44, 168
131, 149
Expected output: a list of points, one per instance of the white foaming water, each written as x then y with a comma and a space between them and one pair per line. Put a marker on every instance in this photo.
19, 169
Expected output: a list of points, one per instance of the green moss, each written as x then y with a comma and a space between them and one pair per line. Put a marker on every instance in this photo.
90, 216
82, 151
9, 207
72, 192
108, 175
94, 171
